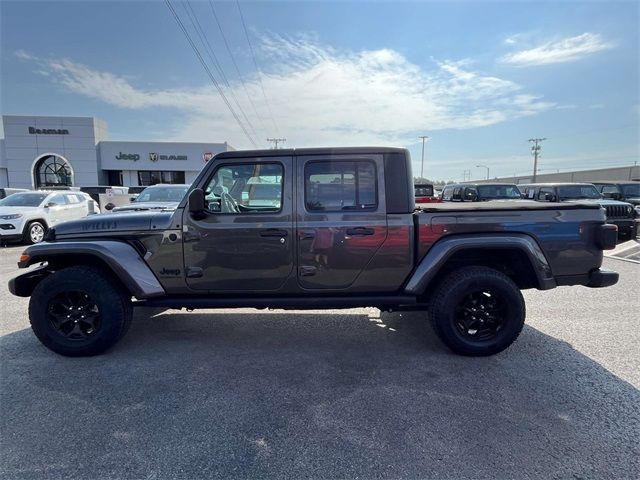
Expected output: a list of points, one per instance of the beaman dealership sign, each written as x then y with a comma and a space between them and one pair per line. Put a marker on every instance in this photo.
153, 157
48, 131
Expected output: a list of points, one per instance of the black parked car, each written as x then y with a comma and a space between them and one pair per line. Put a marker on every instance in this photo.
619, 213
480, 192
624, 191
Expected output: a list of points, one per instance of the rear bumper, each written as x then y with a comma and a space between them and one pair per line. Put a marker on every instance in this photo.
602, 278
596, 278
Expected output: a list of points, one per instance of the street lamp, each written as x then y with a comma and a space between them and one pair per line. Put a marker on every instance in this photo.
484, 166
423, 137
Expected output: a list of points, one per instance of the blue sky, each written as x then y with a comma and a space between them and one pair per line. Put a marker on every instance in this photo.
479, 78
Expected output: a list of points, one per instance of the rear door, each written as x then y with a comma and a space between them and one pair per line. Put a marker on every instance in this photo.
244, 240
341, 218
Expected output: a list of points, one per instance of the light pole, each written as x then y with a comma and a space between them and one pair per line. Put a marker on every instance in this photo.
484, 166
423, 137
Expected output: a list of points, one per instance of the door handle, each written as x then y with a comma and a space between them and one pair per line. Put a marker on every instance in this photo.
360, 231
273, 232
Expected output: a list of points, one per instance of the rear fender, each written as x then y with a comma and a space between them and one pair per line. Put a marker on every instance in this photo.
438, 255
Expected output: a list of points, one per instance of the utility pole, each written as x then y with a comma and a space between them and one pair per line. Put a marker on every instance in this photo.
535, 151
276, 141
423, 137
484, 166
464, 175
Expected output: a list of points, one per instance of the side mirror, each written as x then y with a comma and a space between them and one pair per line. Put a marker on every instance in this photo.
616, 196
196, 201
50, 204
471, 195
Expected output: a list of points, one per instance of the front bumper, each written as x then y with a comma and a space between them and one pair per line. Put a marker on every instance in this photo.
11, 229
625, 226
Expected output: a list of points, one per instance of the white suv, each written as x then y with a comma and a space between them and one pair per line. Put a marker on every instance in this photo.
26, 216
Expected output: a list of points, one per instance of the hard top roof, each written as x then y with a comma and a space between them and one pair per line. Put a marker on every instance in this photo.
308, 151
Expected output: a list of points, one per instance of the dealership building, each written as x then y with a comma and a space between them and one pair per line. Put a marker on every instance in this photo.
40, 152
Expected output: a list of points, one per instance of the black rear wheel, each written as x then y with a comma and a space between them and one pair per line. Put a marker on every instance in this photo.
79, 311
477, 311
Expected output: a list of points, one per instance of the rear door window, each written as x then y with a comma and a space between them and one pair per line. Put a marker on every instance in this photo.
339, 186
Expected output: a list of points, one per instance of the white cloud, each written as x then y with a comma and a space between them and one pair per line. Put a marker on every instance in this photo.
560, 51
319, 96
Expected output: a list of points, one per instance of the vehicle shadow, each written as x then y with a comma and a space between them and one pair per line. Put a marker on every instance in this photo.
300, 394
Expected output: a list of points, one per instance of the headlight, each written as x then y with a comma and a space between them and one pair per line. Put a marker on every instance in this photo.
11, 217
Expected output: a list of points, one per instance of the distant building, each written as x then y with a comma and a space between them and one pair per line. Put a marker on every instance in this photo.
631, 172
40, 152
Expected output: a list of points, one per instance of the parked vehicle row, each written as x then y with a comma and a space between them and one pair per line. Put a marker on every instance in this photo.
621, 200
25, 215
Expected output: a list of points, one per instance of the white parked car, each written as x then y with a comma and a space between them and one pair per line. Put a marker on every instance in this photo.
26, 216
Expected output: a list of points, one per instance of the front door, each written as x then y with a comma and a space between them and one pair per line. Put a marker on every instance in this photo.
341, 218
244, 240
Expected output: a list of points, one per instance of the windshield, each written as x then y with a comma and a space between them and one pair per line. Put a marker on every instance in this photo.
424, 191
162, 194
575, 192
486, 192
632, 190
31, 199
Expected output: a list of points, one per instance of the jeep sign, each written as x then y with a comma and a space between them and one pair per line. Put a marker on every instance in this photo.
128, 156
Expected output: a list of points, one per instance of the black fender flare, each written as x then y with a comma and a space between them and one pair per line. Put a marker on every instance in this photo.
444, 249
122, 259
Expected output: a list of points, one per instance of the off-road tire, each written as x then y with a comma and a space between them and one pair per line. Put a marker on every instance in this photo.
449, 295
26, 234
113, 303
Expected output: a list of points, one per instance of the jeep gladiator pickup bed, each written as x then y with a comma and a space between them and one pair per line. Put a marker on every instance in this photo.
310, 229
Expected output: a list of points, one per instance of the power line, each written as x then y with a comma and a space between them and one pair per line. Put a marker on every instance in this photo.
214, 58
208, 71
255, 64
233, 60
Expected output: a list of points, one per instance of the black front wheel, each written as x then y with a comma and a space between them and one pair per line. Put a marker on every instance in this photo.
477, 311
79, 311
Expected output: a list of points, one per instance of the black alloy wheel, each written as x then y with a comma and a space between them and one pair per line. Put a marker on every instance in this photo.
480, 315
74, 315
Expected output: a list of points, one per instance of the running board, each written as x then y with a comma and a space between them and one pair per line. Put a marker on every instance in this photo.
395, 302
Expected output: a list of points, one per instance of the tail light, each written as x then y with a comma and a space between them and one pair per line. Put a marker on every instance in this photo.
607, 237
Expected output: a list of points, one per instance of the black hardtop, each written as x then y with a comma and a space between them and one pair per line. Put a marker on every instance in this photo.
308, 151
616, 182
555, 184
481, 184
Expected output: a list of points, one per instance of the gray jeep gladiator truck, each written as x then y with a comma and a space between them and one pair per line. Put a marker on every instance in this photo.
311, 229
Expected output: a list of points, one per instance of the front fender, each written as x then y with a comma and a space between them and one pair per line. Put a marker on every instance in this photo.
121, 258
438, 255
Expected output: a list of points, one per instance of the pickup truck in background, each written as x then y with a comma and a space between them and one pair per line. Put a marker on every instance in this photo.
312, 229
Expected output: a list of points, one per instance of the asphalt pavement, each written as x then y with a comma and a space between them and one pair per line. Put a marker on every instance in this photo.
333, 394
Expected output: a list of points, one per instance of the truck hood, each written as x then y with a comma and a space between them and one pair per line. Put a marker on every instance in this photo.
141, 206
599, 201
113, 223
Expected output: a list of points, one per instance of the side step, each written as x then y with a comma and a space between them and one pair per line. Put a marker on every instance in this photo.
395, 302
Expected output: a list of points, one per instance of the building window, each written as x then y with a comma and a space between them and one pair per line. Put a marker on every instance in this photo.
340, 186
146, 178
52, 171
